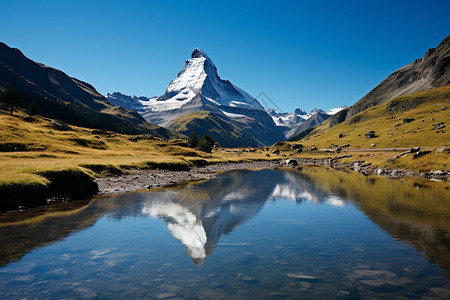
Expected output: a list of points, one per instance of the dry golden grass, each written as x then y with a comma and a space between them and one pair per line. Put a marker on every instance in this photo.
428, 108
89, 150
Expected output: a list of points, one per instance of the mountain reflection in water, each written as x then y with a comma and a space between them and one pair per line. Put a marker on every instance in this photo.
198, 215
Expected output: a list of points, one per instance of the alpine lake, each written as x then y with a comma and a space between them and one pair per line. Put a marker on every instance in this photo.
307, 233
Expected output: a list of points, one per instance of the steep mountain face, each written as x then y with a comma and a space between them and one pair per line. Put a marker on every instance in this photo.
288, 119
199, 77
312, 121
431, 71
59, 96
198, 88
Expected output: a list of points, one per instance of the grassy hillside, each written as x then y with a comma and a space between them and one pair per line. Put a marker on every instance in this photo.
56, 95
29, 147
36, 157
407, 121
431, 71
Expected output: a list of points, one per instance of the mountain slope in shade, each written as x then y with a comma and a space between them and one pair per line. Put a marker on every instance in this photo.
59, 96
431, 71
205, 122
128, 102
314, 120
198, 88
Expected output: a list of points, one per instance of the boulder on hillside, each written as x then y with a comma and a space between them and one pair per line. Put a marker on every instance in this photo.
370, 134
59, 125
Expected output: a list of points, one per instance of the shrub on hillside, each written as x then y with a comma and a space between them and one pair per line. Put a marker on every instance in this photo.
206, 144
10, 98
193, 140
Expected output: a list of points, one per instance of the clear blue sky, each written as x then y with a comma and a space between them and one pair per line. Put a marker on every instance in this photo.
303, 54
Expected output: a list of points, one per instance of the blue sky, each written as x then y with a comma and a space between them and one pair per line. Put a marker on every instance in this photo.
303, 54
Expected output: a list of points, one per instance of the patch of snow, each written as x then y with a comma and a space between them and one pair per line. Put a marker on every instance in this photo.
334, 111
233, 116
234, 196
173, 103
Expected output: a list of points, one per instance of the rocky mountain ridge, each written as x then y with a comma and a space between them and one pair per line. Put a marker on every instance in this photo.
431, 71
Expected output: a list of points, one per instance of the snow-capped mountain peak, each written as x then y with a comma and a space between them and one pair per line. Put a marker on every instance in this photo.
199, 77
240, 119
197, 53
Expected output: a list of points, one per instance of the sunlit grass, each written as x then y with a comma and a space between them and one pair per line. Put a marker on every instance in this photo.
426, 108
91, 151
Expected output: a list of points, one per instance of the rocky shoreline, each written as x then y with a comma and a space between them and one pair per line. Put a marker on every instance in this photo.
137, 180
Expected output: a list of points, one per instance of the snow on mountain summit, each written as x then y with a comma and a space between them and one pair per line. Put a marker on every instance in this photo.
237, 119
197, 53
199, 77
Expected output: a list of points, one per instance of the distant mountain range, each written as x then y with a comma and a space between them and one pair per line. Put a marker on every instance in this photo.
298, 121
199, 100
65, 98
290, 124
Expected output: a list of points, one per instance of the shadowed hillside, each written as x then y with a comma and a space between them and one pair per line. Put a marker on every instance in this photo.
61, 97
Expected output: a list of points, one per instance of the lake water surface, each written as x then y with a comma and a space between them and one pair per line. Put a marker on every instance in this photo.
311, 233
